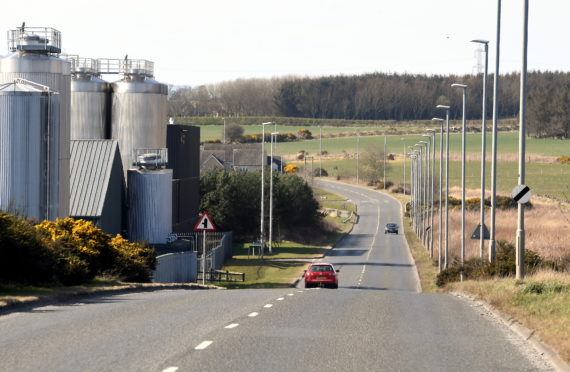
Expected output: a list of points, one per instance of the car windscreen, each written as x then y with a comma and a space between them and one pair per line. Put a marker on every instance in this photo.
321, 268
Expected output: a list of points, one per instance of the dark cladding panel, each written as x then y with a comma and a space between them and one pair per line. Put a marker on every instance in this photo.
186, 204
183, 142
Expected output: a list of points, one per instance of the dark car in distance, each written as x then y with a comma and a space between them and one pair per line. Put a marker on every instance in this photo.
391, 228
322, 275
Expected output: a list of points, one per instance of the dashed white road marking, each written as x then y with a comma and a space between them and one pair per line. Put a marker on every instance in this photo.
253, 314
170, 369
268, 306
299, 291
231, 326
290, 294
203, 345
280, 299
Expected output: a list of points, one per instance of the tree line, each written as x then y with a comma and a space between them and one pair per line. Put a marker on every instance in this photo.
381, 96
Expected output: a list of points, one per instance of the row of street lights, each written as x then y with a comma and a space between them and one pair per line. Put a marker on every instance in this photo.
420, 205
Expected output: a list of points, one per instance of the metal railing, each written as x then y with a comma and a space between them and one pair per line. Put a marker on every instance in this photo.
130, 67
35, 39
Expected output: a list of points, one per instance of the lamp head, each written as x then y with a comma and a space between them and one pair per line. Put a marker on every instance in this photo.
442, 107
438, 119
463, 86
480, 41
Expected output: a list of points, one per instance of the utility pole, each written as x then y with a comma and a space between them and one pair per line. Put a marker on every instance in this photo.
384, 161
320, 151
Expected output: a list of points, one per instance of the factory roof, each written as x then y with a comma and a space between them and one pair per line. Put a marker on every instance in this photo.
91, 165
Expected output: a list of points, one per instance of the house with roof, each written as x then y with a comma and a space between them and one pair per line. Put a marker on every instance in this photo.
232, 157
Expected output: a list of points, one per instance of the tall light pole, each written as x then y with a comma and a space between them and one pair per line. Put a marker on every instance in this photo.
273, 136
263, 161
404, 157
522, 144
425, 191
357, 154
463, 159
494, 137
440, 209
446, 230
384, 161
483, 148
320, 151
432, 194
419, 189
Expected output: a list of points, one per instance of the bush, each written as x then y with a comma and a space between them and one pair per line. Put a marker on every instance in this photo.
317, 172
25, 255
505, 265
563, 160
134, 262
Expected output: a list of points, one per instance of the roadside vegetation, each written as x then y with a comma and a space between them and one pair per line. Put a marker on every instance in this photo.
291, 254
67, 252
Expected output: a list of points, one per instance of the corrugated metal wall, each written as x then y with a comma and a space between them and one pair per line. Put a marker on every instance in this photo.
176, 268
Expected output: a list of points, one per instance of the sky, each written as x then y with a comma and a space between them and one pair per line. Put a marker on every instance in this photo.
201, 42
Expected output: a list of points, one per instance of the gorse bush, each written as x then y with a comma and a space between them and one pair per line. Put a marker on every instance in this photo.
69, 252
505, 265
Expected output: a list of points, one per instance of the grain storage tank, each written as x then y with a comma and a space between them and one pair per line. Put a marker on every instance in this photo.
29, 150
150, 197
90, 100
34, 57
139, 111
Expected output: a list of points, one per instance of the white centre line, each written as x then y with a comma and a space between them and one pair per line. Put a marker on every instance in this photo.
230, 326
280, 299
290, 294
203, 345
299, 291
170, 369
268, 306
253, 314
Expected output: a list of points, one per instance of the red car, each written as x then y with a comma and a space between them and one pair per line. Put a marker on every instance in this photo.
321, 274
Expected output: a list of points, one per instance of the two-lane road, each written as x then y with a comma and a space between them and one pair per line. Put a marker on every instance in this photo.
376, 321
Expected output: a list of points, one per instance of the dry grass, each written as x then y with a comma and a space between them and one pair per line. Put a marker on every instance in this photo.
547, 228
541, 303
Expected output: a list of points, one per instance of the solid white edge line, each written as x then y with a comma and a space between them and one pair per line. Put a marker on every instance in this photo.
170, 369
203, 345
230, 326
251, 315
268, 306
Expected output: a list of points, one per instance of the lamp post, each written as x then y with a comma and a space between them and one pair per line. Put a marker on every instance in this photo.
432, 194
404, 157
446, 231
440, 209
425, 175
384, 161
273, 136
320, 151
483, 148
224, 119
357, 154
463, 140
494, 137
522, 144
263, 161
421, 190
427, 226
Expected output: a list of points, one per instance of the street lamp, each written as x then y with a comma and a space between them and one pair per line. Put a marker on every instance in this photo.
439, 256
432, 194
320, 151
483, 148
418, 187
494, 137
263, 161
463, 87
357, 154
224, 119
273, 136
384, 161
522, 144
446, 231
404, 157
425, 190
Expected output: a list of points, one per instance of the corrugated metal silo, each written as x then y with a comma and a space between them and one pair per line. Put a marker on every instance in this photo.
150, 197
34, 57
29, 150
90, 100
139, 110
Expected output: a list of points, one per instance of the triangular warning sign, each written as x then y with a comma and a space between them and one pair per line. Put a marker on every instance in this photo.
477, 233
205, 223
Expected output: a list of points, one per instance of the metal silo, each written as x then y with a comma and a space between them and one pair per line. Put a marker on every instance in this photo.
90, 100
34, 57
150, 197
29, 150
139, 111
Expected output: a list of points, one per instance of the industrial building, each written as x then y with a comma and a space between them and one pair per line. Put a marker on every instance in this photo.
74, 144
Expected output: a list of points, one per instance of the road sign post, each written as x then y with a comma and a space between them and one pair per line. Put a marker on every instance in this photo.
204, 224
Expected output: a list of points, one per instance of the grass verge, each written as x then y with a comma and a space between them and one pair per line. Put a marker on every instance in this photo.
263, 273
541, 302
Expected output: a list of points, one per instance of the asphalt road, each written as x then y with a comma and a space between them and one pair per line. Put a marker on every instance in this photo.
376, 321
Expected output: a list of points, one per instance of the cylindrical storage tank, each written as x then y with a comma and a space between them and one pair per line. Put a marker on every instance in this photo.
35, 59
29, 151
139, 115
150, 205
90, 107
